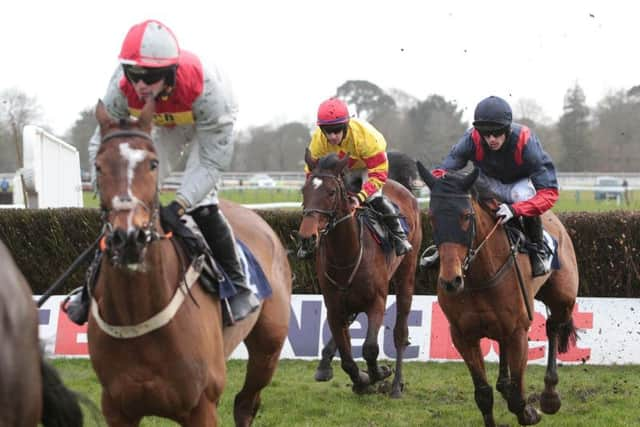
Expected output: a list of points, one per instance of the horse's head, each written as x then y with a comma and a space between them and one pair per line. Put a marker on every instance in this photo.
452, 222
324, 201
127, 178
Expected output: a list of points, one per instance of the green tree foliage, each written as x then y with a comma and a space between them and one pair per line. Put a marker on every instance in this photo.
436, 125
616, 135
268, 149
80, 133
369, 101
574, 130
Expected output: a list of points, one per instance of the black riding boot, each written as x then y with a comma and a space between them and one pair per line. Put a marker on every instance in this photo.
392, 220
539, 255
218, 234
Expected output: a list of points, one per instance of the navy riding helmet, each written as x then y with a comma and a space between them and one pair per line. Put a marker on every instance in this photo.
492, 113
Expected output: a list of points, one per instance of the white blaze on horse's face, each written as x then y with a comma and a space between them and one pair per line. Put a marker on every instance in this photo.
132, 157
316, 183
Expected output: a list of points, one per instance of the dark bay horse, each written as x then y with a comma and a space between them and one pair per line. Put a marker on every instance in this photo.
479, 292
354, 271
30, 389
156, 339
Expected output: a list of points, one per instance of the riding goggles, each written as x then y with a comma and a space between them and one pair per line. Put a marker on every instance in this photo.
148, 75
493, 132
329, 129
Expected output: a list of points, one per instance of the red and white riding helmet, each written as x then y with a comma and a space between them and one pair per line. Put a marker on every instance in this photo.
150, 44
332, 112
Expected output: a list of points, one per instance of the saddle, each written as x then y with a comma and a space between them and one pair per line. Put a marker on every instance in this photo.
374, 221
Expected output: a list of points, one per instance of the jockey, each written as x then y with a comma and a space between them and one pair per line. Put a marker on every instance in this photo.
366, 148
195, 111
514, 166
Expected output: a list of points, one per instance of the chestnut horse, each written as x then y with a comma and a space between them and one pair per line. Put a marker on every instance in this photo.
30, 389
486, 290
354, 271
156, 338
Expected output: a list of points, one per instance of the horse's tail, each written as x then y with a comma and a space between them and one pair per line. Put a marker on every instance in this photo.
567, 334
60, 407
402, 168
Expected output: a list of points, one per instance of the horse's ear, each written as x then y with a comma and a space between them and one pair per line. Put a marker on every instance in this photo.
468, 180
426, 176
340, 165
146, 115
102, 115
309, 160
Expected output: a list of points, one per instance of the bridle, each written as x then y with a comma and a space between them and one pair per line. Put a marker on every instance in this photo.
471, 251
149, 232
331, 214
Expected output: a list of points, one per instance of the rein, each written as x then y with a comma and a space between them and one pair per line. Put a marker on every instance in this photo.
331, 225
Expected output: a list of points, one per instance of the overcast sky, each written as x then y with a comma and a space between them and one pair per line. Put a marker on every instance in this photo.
285, 57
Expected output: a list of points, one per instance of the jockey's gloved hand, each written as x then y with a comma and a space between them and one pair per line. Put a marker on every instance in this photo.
170, 216
354, 202
505, 212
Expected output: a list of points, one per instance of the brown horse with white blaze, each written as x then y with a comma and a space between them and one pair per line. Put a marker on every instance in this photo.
486, 289
354, 271
156, 337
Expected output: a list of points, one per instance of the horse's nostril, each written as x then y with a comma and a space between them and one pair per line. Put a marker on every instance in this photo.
140, 237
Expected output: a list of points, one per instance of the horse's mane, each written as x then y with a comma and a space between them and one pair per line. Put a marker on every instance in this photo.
328, 161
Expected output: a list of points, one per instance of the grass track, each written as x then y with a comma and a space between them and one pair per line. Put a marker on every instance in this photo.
436, 394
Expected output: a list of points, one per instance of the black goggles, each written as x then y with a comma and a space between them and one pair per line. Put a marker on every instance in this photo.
329, 129
493, 132
148, 75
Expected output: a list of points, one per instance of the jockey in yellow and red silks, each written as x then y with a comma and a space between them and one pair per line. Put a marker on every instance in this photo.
366, 148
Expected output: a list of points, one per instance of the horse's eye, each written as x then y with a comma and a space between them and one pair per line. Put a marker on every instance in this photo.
332, 193
153, 164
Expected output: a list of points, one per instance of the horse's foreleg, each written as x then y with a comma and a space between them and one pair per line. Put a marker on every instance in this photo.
324, 371
483, 393
502, 385
370, 348
404, 296
340, 331
113, 416
205, 414
517, 357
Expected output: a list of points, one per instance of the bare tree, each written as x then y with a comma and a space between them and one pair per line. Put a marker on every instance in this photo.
16, 110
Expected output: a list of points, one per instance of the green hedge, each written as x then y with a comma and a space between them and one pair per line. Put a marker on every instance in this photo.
45, 242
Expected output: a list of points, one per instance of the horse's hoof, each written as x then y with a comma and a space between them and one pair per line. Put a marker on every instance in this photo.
529, 416
324, 374
363, 388
384, 372
550, 402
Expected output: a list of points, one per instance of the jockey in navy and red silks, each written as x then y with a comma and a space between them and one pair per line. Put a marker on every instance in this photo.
366, 148
513, 165
521, 157
195, 110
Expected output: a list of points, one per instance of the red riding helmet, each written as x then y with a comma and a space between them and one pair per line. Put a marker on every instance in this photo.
332, 112
150, 44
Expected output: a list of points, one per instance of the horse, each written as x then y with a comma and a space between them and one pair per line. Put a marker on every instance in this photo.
31, 391
156, 338
402, 169
486, 289
354, 271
